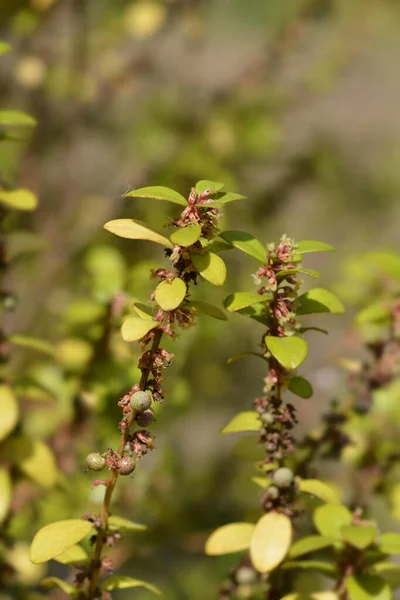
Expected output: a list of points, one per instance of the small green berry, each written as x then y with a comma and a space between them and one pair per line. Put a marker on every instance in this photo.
143, 419
283, 477
273, 492
140, 401
126, 465
245, 575
95, 461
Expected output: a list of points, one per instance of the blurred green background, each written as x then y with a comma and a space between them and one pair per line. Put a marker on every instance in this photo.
293, 103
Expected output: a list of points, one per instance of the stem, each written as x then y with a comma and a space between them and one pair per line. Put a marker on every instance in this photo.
110, 485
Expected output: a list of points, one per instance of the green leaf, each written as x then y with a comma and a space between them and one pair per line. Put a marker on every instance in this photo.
313, 565
120, 524
305, 246
36, 460
205, 184
240, 300
50, 582
15, 117
234, 537
367, 587
4, 48
134, 328
145, 312
18, 199
72, 556
301, 387
9, 411
208, 309
390, 572
388, 262
330, 518
309, 544
53, 539
286, 272
157, 192
270, 541
33, 343
186, 236
219, 245
5, 493
122, 582
321, 490
230, 197
246, 243
263, 482
290, 352
256, 312
170, 294
243, 355
359, 536
211, 267
389, 543
319, 300
374, 312
128, 228
244, 421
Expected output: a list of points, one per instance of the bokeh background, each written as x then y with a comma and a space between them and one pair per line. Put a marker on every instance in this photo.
293, 103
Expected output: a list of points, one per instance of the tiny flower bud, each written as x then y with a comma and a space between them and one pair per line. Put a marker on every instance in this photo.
273, 492
283, 477
95, 461
267, 418
126, 465
145, 418
141, 401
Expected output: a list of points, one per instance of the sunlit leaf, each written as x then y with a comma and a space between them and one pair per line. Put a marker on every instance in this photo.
305, 246
55, 538
186, 236
389, 572
312, 596
120, 524
73, 555
367, 587
319, 300
5, 493
234, 537
320, 490
145, 312
262, 482
205, 184
128, 228
36, 460
330, 518
208, 309
246, 243
33, 343
9, 411
122, 582
359, 536
170, 294
389, 543
157, 192
51, 582
240, 300
309, 544
134, 328
290, 352
301, 387
320, 566
270, 541
211, 267
15, 117
244, 421
18, 199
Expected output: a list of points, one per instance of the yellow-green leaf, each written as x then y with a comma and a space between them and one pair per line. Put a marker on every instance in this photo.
230, 197
170, 294
389, 543
309, 544
240, 300
121, 582
15, 117
234, 537
158, 192
134, 328
367, 587
320, 490
120, 524
73, 555
36, 460
319, 300
133, 230
5, 493
205, 184
19, 199
186, 236
312, 596
244, 421
301, 387
359, 536
145, 312
233, 359
4, 48
208, 309
55, 538
9, 411
246, 243
388, 262
305, 246
51, 582
211, 267
26, 341
330, 518
270, 541
290, 352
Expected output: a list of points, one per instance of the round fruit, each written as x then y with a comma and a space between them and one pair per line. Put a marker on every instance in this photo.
140, 401
283, 477
273, 492
246, 575
267, 418
145, 418
126, 465
95, 461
